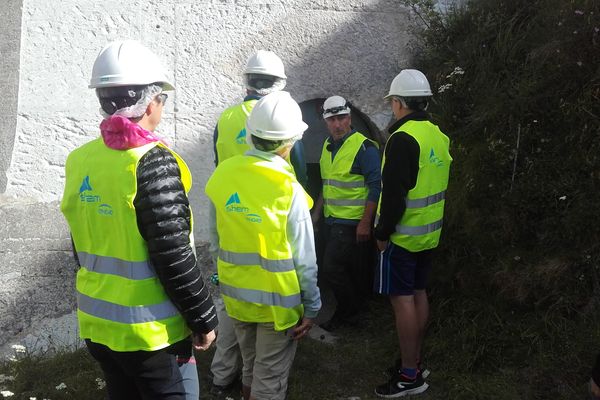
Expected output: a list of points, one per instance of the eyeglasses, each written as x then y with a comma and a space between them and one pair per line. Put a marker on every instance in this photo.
162, 98
335, 110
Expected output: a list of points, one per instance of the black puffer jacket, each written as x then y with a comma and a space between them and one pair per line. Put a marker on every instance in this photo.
163, 216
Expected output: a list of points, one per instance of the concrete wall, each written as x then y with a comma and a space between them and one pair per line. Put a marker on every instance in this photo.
10, 33
349, 47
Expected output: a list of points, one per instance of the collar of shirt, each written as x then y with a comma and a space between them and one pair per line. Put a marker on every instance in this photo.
338, 143
252, 97
270, 157
414, 116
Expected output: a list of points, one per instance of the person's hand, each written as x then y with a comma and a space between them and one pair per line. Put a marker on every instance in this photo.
382, 244
202, 341
363, 231
594, 388
302, 329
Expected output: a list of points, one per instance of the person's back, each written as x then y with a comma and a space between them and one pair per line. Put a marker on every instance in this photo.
140, 296
266, 257
231, 128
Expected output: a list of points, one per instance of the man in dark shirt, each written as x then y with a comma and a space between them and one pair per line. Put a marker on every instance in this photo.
416, 164
350, 169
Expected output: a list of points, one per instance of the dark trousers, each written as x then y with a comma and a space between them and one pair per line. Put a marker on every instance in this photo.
166, 374
347, 268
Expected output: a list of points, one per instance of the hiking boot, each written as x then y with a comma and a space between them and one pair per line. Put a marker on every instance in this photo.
400, 385
397, 367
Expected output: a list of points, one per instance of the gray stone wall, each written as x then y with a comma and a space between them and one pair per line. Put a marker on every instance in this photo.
10, 43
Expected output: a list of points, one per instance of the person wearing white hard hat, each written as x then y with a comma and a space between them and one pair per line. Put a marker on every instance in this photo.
142, 304
264, 73
415, 170
350, 171
266, 256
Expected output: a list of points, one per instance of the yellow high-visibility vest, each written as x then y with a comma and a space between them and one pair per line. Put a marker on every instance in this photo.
344, 194
120, 300
421, 225
231, 140
257, 275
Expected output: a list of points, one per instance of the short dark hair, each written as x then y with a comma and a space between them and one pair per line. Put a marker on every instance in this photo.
416, 103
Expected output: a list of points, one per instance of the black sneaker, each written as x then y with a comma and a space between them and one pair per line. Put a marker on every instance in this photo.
395, 369
400, 386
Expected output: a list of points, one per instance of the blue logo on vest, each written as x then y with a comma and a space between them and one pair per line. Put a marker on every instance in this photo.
234, 204
233, 199
433, 159
105, 209
87, 196
87, 187
241, 137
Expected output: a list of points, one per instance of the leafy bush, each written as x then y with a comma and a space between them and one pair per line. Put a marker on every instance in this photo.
517, 88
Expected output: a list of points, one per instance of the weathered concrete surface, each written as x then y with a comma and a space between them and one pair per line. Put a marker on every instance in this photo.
36, 270
10, 43
349, 47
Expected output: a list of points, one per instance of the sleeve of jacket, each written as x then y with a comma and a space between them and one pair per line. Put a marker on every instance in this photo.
164, 220
399, 175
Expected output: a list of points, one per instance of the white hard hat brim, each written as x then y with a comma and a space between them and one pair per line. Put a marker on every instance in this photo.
276, 135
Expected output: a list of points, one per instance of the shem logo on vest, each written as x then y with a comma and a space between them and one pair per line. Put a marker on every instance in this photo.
234, 205
87, 187
86, 196
241, 137
433, 159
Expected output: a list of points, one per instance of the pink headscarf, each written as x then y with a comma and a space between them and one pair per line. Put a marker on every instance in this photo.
119, 133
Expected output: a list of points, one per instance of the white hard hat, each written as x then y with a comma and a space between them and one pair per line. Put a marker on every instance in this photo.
265, 63
409, 83
276, 117
335, 105
128, 63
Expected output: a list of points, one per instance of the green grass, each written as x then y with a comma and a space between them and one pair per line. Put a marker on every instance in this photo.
476, 348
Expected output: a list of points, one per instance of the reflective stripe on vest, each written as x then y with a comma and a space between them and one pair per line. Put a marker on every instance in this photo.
344, 194
420, 226
121, 302
426, 201
123, 314
252, 197
419, 230
136, 270
260, 297
256, 259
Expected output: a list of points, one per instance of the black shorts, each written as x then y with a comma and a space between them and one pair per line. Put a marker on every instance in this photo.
401, 272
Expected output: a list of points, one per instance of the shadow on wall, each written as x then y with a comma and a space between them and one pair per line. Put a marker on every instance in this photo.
38, 280
352, 49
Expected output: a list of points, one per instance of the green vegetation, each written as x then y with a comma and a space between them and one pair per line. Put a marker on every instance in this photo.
516, 288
